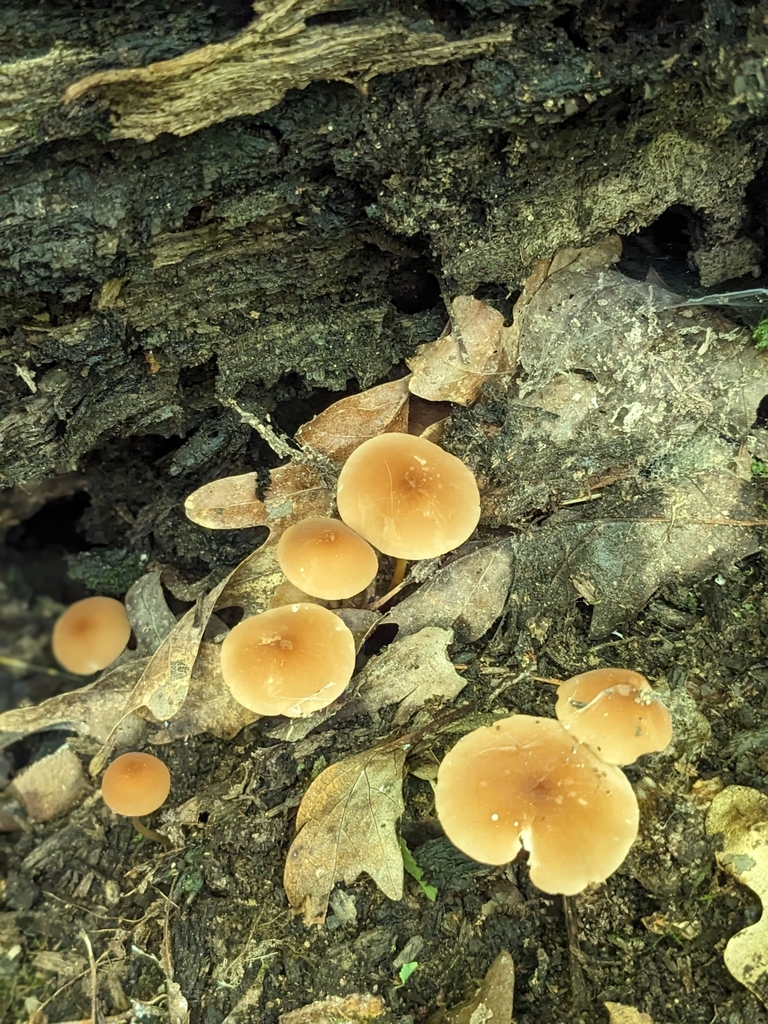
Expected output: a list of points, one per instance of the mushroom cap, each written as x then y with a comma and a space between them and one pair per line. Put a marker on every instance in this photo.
288, 661
90, 634
615, 712
326, 559
524, 783
407, 496
135, 784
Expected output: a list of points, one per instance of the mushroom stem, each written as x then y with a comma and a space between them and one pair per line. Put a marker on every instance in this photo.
149, 833
398, 575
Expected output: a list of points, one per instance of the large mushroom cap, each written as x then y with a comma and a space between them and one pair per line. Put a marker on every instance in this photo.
326, 559
524, 783
90, 634
135, 784
288, 661
615, 712
408, 497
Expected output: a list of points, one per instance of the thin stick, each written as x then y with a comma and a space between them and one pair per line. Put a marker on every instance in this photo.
94, 983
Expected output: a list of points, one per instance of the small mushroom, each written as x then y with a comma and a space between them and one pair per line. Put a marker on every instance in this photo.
326, 559
288, 661
524, 783
135, 784
90, 634
615, 712
408, 497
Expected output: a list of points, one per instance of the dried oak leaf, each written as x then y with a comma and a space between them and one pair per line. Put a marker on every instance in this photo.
740, 815
352, 1009
618, 1013
295, 491
344, 426
468, 595
163, 686
346, 825
616, 552
410, 672
148, 612
253, 583
615, 382
493, 1002
209, 706
90, 712
455, 367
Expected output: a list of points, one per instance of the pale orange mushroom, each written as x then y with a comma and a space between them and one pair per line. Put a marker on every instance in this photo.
136, 784
615, 712
408, 497
90, 634
524, 783
288, 661
326, 559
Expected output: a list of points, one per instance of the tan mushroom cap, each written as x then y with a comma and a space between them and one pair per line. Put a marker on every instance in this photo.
408, 497
288, 661
135, 784
90, 634
523, 783
326, 559
615, 712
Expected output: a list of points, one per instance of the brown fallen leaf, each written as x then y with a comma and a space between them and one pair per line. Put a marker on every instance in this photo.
618, 1013
410, 672
343, 426
616, 552
346, 825
337, 1010
253, 583
740, 815
209, 706
295, 491
51, 786
148, 612
91, 711
163, 686
468, 595
493, 1002
455, 367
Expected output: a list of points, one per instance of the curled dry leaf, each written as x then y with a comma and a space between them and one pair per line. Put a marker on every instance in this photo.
493, 1002
355, 1009
91, 711
148, 612
163, 686
209, 706
740, 815
344, 426
468, 595
51, 786
455, 367
411, 672
253, 583
618, 1013
346, 825
295, 491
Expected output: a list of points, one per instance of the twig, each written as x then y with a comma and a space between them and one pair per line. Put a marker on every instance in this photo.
94, 983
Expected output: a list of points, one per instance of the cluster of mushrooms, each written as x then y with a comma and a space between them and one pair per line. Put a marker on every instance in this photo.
550, 787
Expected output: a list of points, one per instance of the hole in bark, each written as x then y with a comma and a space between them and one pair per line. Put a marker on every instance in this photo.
413, 289
55, 525
663, 245
761, 416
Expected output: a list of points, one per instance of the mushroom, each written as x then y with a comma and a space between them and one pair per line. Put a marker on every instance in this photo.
615, 712
288, 661
524, 783
136, 784
408, 497
326, 559
90, 634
